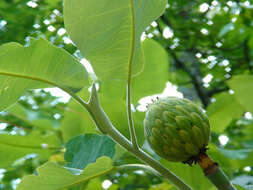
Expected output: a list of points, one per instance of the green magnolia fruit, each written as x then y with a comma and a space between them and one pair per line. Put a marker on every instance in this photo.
176, 129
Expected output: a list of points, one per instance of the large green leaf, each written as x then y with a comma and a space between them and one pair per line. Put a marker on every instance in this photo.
223, 111
155, 74
95, 184
37, 66
42, 124
17, 110
85, 149
13, 147
112, 96
52, 176
107, 32
193, 176
242, 86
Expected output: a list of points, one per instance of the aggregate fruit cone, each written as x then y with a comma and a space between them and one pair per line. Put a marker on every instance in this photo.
177, 129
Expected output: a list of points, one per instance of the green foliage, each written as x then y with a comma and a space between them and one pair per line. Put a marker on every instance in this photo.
53, 177
36, 66
189, 174
155, 73
108, 33
188, 45
14, 147
240, 84
80, 150
225, 107
76, 121
117, 111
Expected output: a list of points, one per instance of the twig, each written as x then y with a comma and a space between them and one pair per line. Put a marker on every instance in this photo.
246, 51
104, 124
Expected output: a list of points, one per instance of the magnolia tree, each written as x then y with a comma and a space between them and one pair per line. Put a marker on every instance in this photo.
106, 58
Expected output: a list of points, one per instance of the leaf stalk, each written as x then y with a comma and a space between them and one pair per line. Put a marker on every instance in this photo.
129, 84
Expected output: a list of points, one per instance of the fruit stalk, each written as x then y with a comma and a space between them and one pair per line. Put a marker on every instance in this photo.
214, 173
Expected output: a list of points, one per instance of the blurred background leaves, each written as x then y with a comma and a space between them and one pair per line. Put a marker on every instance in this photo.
208, 46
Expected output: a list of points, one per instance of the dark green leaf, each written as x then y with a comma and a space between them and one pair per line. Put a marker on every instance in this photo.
85, 149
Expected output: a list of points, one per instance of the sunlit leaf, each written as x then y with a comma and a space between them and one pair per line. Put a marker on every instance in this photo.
108, 32
193, 176
242, 86
155, 74
112, 98
223, 111
52, 176
37, 66
13, 147
42, 124
95, 184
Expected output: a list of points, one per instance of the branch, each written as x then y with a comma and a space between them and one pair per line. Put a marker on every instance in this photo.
194, 71
166, 21
15, 124
196, 76
246, 51
104, 124
216, 90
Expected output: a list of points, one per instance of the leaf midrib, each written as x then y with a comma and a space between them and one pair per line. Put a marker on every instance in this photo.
38, 79
88, 178
132, 40
29, 147
29, 77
